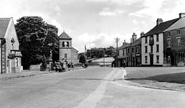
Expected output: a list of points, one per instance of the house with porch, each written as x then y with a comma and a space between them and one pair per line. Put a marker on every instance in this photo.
10, 55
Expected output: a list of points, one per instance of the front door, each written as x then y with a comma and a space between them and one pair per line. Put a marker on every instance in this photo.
151, 59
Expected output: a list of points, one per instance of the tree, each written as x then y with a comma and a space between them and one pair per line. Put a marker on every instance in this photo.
36, 38
101, 52
82, 59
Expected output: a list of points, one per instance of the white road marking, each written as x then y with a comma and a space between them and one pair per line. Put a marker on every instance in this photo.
92, 100
124, 74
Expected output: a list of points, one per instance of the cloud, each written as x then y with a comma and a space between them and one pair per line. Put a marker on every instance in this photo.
151, 8
99, 40
165, 9
119, 2
134, 21
108, 12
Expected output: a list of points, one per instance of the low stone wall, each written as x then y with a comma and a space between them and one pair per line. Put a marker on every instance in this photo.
166, 65
35, 67
180, 64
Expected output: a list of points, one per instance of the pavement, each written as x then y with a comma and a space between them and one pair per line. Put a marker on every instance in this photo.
29, 73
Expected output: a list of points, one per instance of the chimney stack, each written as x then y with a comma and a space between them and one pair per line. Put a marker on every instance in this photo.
181, 15
131, 40
159, 21
134, 37
142, 34
124, 42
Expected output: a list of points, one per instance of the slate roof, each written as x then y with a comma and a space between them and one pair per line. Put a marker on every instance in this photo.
74, 49
137, 42
161, 27
64, 36
124, 46
179, 24
4, 22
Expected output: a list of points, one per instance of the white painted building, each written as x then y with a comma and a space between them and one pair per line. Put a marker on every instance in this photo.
153, 44
10, 56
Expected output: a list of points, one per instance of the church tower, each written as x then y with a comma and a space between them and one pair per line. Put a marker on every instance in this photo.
65, 47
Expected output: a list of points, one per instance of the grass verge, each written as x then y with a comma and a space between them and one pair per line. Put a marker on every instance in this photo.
173, 81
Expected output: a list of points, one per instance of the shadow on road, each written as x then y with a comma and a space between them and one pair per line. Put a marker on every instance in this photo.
170, 78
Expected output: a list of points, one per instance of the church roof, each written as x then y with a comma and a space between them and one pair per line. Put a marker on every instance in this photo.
4, 22
75, 49
64, 36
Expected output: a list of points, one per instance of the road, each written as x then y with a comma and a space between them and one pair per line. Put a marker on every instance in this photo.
99, 87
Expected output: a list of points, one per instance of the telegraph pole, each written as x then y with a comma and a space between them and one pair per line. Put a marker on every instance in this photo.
117, 40
85, 51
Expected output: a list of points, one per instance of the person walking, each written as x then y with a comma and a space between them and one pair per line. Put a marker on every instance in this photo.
123, 65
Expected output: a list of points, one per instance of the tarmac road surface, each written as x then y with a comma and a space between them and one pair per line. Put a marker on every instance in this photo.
97, 87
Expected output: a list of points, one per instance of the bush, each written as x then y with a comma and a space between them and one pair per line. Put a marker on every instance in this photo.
43, 66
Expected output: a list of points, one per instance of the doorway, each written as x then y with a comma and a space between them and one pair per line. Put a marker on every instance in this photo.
151, 59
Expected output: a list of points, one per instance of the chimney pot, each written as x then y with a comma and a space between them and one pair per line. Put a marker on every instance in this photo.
142, 34
159, 21
124, 42
134, 37
181, 15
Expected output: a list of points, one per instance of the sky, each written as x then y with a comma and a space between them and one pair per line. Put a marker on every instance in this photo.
96, 23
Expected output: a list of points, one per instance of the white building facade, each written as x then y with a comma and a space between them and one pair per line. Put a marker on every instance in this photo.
153, 44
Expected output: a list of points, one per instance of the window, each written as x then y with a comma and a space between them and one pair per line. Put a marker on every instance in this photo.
169, 43
63, 44
137, 50
157, 37
145, 49
67, 44
65, 55
169, 34
157, 48
178, 32
132, 50
157, 58
178, 41
123, 53
146, 59
145, 39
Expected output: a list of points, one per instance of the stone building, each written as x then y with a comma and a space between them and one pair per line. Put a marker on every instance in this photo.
122, 57
174, 43
134, 51
10, 56
66, 51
